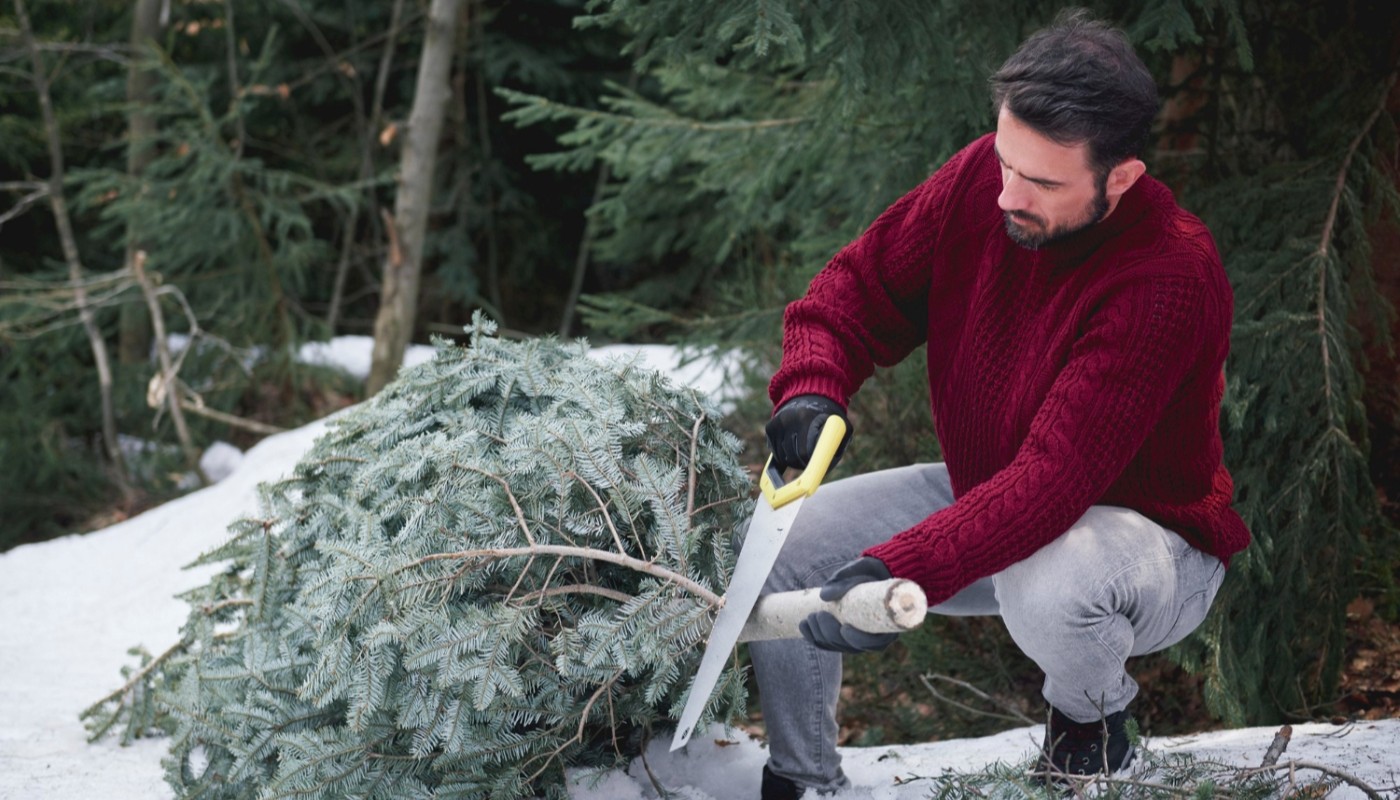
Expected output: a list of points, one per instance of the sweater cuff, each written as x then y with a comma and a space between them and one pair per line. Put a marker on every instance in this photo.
829, 388
932, 565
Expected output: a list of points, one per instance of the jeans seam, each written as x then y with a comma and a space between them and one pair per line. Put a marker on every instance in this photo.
1108, 584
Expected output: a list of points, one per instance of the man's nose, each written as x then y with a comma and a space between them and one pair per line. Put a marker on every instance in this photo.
1013, 195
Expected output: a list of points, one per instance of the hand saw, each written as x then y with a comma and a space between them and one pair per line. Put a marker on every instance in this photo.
772, 518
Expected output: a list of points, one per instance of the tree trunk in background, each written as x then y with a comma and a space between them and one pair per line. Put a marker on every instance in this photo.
70, 249
403, 264
134, 342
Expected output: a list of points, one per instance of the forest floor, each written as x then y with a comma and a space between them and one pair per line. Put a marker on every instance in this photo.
1370, 687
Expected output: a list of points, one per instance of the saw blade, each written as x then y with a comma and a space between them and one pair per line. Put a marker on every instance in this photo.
767, 531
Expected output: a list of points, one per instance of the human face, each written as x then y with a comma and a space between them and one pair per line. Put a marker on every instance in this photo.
1048, 190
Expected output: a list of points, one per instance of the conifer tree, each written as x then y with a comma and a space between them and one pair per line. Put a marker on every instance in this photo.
497, 568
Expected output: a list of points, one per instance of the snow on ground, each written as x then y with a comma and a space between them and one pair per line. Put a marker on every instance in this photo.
70, 608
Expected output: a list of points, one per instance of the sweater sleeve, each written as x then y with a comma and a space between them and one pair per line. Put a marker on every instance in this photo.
1121, 373
868, 306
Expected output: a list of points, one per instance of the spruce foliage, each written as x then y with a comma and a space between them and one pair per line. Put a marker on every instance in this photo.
497, 568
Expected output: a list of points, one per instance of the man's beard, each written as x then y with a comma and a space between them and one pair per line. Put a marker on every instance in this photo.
1036, 239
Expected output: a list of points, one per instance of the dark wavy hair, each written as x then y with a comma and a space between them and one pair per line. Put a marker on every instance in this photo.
1079, 81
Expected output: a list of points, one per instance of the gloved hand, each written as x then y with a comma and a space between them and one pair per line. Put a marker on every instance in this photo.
795, 427
827, 632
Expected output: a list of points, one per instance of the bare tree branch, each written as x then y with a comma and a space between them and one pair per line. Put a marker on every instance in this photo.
608, 556
1324, 246
1015, 714
165, 379
1277, 746
69, 244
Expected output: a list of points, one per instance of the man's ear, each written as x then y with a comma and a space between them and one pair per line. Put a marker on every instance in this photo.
1122, 177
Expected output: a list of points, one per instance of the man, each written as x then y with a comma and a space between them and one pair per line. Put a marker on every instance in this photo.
1077, 323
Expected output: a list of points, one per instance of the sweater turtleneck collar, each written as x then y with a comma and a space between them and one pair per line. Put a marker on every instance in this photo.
1131, 207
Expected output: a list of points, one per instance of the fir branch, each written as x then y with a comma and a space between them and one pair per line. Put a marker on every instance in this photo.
1340, 186
1081, 784
622, 560
135, 680
578, 734
550, 109
1325, 242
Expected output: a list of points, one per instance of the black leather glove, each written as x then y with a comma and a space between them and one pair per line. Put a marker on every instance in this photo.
827, 632
795, 427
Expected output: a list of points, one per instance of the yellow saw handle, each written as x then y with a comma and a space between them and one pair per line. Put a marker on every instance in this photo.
779, 493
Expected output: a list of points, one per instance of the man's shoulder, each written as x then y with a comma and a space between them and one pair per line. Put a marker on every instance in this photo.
965, 186
1168, 237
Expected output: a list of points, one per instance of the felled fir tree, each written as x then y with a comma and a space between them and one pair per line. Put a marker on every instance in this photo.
497, 568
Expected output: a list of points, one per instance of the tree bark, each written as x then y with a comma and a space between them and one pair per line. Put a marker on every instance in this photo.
369, 132
892, 606
168, 381
134, 333
69, 243
403, 265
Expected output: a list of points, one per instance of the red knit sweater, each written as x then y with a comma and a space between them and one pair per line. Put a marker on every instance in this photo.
1088, 372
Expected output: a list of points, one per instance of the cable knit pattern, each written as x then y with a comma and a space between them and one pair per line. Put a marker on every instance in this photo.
1088, 372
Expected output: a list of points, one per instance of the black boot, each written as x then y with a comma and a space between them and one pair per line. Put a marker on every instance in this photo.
776, 787
1085, 748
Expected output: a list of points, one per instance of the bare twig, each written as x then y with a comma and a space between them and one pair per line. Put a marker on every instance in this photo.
1015, 714
603, 508
1082, 782
1345, 777
1277, 746
1324, 245
39, 192
691, 477
195, 405
577, 588
661, 790
519, 512
69, 244
610, 557
44, 306
168, 370
138, 677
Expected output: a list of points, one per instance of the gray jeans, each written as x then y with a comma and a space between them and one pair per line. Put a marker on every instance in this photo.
1114, 585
